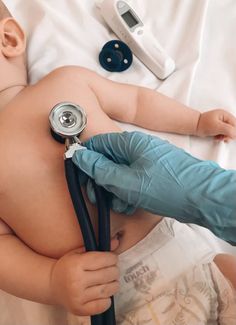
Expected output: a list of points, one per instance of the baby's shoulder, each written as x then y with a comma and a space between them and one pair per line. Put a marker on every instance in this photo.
65, 81
69, 74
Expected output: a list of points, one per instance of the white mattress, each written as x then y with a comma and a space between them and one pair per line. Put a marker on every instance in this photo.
198, 34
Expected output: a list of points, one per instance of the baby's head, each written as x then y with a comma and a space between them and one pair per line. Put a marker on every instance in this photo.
12, 45
4, 12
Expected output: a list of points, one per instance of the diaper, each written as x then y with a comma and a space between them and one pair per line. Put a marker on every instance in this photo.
170, 278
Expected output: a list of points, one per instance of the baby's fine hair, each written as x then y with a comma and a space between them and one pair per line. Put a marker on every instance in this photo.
4, 12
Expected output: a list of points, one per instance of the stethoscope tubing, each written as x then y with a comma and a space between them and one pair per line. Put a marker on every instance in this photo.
72, 174
104, 238
103, 206
72, 177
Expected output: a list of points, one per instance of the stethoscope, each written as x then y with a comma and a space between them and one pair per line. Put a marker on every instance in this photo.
67, 121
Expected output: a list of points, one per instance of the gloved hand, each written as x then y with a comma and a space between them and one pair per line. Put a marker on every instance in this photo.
144, 171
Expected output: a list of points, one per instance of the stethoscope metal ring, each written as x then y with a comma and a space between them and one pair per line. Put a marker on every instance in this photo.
67, 119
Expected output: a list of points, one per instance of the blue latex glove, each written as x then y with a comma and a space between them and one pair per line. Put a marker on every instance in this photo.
147, 172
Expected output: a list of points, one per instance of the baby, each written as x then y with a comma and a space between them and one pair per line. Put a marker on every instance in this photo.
41, 247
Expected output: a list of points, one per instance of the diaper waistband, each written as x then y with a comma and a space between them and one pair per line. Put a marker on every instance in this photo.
168, 231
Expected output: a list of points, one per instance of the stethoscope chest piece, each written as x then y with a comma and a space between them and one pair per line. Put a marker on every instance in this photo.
115, 56
67, 120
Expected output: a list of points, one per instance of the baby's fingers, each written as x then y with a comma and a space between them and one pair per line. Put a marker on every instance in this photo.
227, 130
103, 276
222, 137
93, 261
94, 307
100, 292
229, 119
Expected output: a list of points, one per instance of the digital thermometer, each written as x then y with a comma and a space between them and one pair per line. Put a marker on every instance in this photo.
126, 24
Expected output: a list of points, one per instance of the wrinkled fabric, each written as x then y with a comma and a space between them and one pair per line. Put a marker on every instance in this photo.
170, 278
148, 172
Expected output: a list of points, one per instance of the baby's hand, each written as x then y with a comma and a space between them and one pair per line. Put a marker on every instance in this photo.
83, 283
218, 123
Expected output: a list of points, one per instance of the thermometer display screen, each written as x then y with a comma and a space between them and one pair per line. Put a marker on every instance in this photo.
130, 20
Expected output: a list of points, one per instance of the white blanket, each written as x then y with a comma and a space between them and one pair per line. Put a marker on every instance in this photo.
198, 34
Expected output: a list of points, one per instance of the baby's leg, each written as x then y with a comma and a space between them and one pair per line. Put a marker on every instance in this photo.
227, 265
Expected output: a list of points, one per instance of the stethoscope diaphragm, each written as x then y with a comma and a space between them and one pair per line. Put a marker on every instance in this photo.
115, 56
67, 120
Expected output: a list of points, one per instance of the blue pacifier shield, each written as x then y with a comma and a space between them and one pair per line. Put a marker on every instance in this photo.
115, 56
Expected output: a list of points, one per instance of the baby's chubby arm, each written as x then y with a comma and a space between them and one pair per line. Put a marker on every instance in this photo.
152, 110
21, 269
81, 282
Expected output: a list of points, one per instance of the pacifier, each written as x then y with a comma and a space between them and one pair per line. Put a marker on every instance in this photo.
115, 56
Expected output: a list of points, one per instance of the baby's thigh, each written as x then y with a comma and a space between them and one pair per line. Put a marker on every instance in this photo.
227, 265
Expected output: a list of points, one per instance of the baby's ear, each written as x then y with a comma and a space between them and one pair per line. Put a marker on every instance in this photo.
12, 38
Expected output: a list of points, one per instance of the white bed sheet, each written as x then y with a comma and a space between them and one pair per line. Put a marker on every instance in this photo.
198, 34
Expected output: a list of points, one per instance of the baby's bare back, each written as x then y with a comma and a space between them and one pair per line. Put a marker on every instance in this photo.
34, 199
